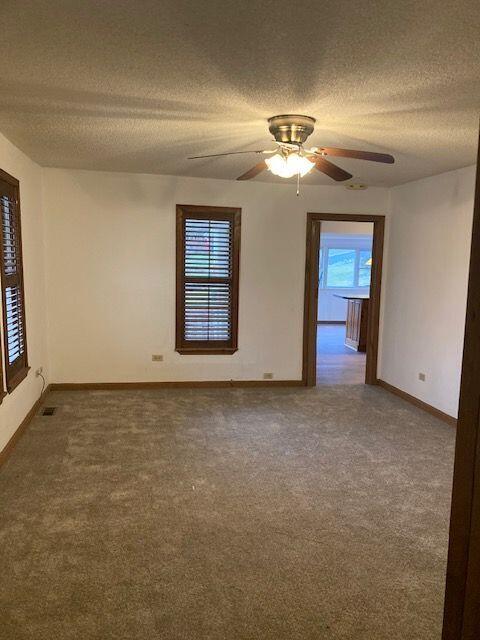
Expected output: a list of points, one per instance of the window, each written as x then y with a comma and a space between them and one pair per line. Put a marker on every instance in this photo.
345, 268
364, 267
16, 365
341, 267
208, 253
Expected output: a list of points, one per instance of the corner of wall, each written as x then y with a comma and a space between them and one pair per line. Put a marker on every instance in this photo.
385, 274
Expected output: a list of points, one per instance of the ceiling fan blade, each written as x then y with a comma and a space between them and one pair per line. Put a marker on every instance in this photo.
330, 169
229, 153
254, 171
359, 155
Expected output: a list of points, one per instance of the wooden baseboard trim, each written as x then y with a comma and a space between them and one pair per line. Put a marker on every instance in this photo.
7, 450
418, 403
331, 322
183, 384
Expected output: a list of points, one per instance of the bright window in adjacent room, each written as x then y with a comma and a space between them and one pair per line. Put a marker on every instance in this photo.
11, 266
345, 268
208, 252
341, 268
364, 267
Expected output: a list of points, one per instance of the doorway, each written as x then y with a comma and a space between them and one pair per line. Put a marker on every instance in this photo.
344, 268
341, 323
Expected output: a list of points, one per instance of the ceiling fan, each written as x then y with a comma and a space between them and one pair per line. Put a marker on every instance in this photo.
290, 158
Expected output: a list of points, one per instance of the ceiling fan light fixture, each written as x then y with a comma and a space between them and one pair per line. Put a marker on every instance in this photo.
288, 166
290, 132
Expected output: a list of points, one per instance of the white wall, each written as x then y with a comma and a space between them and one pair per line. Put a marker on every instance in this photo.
16, 405
111, 273
426, 286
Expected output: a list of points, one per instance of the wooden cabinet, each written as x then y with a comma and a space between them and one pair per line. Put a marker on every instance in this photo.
357, 322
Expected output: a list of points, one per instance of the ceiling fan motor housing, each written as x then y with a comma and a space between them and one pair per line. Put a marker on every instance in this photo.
291, 128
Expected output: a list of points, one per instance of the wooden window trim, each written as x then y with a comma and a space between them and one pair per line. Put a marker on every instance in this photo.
16, 373
232, 214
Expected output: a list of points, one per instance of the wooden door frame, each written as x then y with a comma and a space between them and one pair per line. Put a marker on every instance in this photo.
314, 220
462, 597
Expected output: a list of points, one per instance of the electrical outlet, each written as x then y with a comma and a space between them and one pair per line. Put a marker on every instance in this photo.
157, 358
268, 376
39, 371
421, 376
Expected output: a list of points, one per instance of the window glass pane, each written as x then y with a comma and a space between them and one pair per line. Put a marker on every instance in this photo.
207, 248
321, 282
341, 268
365, 268
207, 311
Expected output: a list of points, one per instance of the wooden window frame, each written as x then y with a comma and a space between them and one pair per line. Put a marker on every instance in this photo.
16, 372
188, 347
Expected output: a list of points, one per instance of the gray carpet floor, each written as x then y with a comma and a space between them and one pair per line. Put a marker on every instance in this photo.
226, 514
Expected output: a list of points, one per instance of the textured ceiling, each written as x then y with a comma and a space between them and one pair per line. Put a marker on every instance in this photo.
139, 85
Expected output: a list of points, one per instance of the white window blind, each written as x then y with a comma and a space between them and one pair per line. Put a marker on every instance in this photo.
208, 271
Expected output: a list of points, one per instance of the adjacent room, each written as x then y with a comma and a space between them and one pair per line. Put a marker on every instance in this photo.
345, 265
234, 260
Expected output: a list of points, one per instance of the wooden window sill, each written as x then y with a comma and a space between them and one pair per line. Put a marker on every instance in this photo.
17, 379
219, 351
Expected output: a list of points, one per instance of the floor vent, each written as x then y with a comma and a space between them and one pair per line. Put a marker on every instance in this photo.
49, 411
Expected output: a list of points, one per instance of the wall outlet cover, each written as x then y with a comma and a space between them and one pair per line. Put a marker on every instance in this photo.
268, 376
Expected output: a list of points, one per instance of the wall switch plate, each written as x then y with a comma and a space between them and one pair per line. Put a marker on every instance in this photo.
268, 376
157, 358
421, 376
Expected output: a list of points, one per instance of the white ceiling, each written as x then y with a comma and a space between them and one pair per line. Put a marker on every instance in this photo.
138, 85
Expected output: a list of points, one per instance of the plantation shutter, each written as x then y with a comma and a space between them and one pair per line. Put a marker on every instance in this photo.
16, 366
207, 279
